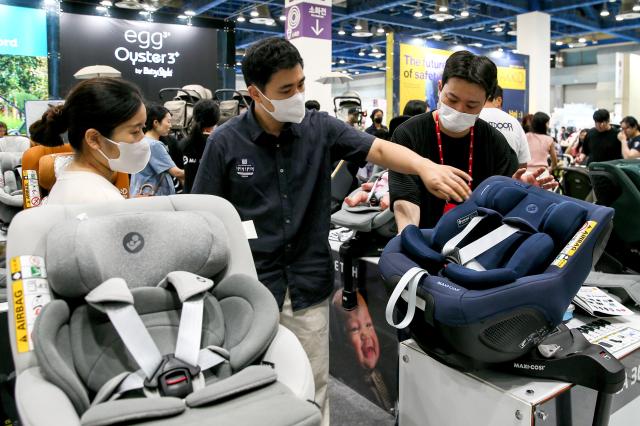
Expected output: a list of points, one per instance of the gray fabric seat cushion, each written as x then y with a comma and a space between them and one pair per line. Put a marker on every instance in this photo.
100, 354
271, 405
139, 247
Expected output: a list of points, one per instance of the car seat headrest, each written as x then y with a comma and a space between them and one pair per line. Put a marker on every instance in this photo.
505, 199
14, 144
142, 248
563, 220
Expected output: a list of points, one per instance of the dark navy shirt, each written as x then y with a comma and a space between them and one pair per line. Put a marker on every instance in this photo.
283, 184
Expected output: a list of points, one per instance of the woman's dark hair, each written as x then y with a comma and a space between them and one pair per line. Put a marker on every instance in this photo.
526, 122
99, 103
630, 121
266, 57
414, 107
472, 68
373, 113
3, 125
155, 112
206, 113
539, 123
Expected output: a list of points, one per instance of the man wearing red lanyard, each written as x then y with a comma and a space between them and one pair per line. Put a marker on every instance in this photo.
453, 135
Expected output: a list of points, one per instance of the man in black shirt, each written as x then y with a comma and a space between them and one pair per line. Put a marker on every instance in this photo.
601, 143
630, 137
273, 163
454, 135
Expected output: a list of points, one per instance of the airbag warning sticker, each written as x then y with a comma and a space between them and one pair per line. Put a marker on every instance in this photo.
30, 293
574, 244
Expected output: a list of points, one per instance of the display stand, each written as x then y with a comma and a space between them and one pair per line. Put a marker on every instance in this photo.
434, 394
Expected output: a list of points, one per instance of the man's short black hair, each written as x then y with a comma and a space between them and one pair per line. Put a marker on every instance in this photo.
601, 116
472, 68
630, 121
353, 110
266, 57
497, 93
311, 104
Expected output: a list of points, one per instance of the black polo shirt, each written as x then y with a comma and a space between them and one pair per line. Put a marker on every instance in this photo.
602, 146
283, 184
492, 156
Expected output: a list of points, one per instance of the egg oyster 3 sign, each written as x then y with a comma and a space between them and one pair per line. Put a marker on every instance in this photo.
152, 55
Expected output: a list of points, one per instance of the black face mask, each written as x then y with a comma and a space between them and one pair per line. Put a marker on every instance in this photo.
377, 120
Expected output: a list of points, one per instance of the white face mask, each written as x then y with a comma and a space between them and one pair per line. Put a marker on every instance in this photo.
290, 110
453, 120
133, 156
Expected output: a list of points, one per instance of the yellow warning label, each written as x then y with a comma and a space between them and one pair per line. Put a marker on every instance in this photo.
574, 244
20, 317
15, 265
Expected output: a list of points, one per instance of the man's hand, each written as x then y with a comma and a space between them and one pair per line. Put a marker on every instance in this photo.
445, 182
547, 182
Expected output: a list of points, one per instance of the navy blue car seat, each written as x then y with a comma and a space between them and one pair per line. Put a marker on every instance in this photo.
497, 273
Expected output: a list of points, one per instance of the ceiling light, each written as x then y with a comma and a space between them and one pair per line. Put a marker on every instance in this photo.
283, 18
499, 29
189, 13
182, 16
476, 44
361, 53
375, 49
241, 18
149, 8
239, 63
341, 32
362, 29
619, 18
263, 16
516, 51
374, 67
476, 29
380, 30
437, 36
636, 7
582, 40
464, 13
513, 31
442, 5
357, 73
417, 13
559, 43
570, 45
341, 61
106, 3
101, 8
604, 12
500, 49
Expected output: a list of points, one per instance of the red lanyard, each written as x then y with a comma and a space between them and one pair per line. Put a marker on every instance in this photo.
440, 146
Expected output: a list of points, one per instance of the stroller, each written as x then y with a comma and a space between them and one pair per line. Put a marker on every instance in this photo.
229, 108
180, 102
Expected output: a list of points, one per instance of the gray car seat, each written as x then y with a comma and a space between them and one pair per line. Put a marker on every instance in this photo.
11, 150
154, 315
366, 218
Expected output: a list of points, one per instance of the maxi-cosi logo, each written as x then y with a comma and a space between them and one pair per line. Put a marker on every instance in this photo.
147, 40
449, 286
531, 367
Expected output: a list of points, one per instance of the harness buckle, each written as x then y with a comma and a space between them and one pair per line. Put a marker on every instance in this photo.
173, 377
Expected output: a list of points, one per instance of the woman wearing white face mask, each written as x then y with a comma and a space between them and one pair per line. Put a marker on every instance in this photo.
454, 135
103, 118
155, 178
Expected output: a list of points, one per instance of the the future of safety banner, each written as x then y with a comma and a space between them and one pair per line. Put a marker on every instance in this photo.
418, 65
150, 54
